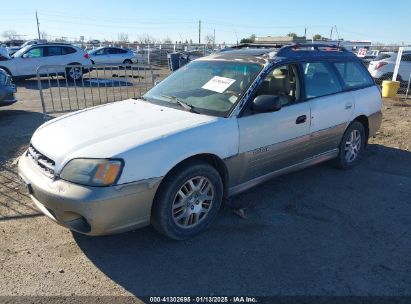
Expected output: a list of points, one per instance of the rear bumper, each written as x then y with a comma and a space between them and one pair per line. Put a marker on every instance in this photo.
90, 210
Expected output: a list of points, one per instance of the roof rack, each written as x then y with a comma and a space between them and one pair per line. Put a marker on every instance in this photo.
259, 45
313, 50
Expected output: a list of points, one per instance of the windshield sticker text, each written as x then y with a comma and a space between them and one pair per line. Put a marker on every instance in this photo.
218, 84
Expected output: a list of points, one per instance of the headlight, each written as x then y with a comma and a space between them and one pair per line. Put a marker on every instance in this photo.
92, 172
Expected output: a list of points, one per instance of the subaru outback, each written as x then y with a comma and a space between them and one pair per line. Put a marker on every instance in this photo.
211, 130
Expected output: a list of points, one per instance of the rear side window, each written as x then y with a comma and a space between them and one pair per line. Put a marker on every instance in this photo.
53, 50
320, 79
353, 74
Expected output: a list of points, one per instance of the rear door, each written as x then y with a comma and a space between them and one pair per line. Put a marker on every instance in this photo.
331, 107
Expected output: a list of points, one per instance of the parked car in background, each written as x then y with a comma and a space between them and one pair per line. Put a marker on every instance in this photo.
112, 55
7, 89
4, 53
14, 49
382, 67
214, 128
369, 56
24, 63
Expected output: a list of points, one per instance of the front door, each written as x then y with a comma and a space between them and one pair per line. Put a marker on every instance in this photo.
28, 63
272, 141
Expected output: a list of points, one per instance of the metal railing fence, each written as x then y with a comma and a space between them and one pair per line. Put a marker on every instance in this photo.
65, 88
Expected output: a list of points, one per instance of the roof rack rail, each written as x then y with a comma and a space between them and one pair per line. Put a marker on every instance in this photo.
304, 49
259, 45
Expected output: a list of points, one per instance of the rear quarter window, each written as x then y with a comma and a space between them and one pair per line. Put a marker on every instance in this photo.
68, 50
353, 74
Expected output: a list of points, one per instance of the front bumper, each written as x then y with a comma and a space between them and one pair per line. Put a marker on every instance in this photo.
90, 210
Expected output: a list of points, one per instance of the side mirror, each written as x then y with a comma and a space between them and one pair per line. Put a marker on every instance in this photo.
157, 82
266, 103
24, 56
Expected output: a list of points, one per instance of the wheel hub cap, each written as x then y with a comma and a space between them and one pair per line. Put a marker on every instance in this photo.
192, 202
352, 146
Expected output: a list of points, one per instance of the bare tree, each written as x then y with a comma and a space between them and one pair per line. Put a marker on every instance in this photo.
209, 38
146, 39
43, 35
167, 40
10, 34
122, 37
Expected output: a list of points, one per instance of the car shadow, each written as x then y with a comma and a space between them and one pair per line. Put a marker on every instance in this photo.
320, 231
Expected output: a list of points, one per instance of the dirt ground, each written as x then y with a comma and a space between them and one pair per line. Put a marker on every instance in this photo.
319, 231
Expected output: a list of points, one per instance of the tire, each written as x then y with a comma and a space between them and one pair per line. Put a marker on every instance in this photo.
352, 146
181, 211
7, 70
74, 73
127, 61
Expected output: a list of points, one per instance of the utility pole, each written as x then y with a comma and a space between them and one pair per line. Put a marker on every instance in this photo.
199, 32
38, 25
331, 34
214, 40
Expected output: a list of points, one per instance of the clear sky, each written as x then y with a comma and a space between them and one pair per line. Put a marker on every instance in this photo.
379, 21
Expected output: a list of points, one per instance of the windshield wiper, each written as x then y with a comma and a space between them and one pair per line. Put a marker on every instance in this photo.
183, 104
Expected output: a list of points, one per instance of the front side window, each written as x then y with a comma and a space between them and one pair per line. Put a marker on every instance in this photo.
100, 52
320, 79
36, 52
283, 82
210, 87
353, 74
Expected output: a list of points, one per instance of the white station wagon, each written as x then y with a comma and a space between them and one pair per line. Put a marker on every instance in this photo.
214, 128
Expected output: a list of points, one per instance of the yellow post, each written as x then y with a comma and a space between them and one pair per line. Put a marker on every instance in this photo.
390, 88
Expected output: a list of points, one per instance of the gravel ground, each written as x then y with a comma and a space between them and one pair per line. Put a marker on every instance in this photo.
319, 231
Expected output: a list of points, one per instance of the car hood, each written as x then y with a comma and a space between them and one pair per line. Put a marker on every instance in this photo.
108, 130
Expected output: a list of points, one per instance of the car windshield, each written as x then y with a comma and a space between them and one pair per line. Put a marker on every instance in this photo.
209, 87
21, 51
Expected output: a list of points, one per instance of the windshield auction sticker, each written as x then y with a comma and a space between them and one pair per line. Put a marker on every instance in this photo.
218, 84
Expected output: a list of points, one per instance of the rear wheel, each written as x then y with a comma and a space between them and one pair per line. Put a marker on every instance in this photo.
351, 146
74, 73
188, 200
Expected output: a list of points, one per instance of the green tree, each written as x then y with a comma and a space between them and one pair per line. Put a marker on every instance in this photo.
291, 34
250, 39
317, 37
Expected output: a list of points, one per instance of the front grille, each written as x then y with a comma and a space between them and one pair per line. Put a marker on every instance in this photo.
43, 162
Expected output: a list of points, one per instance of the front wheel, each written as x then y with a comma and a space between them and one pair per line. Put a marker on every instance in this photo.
187, 201
351, 146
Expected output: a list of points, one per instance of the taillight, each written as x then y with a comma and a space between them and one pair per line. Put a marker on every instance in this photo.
87, 56
380, 65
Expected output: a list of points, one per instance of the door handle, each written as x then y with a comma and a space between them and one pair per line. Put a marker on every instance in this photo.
348, 105
301, 119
